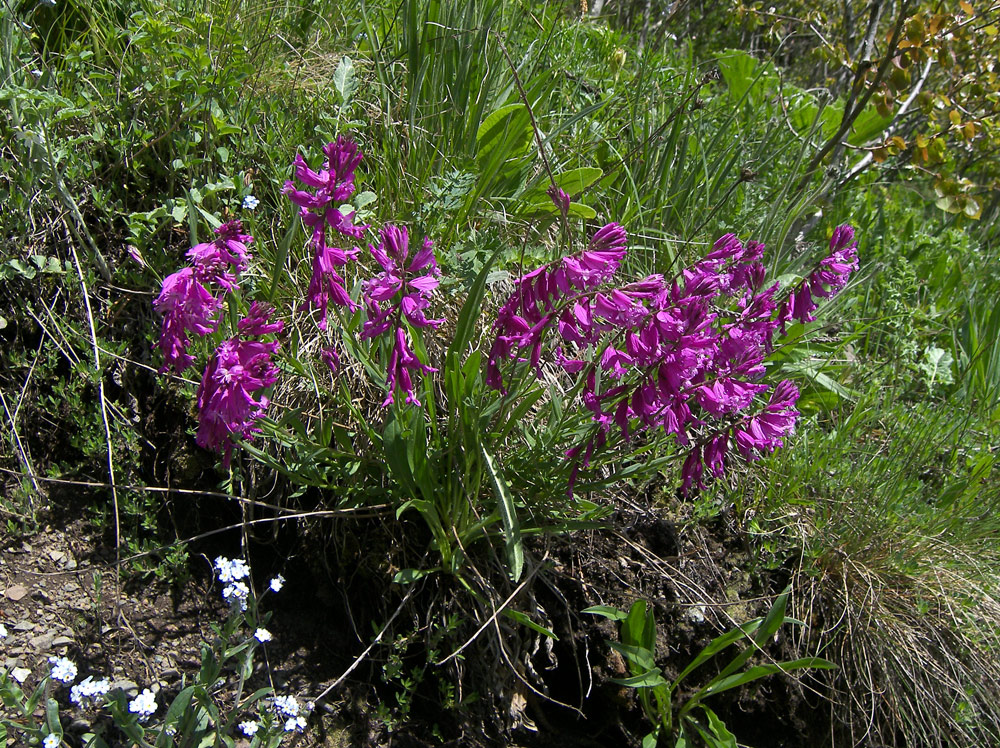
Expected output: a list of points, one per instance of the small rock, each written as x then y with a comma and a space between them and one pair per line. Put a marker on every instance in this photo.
57, 556
26, 548
71, 587
128, 686
24, 626
71, 564
60, 641
16, 592
42, 642
19, 674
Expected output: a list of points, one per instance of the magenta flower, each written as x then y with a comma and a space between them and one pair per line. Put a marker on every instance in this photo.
257, 322
227, 409
223, 259
333, 184
559, 198
765, 432
828, 279
398, 295
186, 306
326, 284
331, 358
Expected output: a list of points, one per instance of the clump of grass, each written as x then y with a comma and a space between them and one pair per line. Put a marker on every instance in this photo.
898, 524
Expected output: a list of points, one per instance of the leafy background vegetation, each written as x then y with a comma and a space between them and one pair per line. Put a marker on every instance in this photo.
136, 126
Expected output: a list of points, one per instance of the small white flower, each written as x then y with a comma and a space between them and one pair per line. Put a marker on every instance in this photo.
63, 669
295, 724
144, 704
262, 635
237, 592
250, 202
229, 570
88, 688
36, 72
277, 583
50, 741
50, 3
249, 728
3, 629
286, 705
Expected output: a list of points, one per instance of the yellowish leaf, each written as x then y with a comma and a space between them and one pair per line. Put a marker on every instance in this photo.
967, 8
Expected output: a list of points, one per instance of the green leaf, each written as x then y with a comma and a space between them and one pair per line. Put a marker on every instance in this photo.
718, 734
576, 210
720, 643
639, 658
408, 576
516, 615
508, 517
572, 182
868, 125
344, 80
471, 310
762, 671
52, 717
608, 612
649, 679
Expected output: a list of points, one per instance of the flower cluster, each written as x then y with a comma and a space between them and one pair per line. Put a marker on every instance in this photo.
287, 708
90, 689
227, 408
318, 208
828, 279
144, 705
683, 356
232, 572
186, 301
395, 299
63, 669
400, 292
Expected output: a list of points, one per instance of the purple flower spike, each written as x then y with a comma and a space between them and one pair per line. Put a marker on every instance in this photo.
223, 259
227, 408
326, 285
257, 322
186, 307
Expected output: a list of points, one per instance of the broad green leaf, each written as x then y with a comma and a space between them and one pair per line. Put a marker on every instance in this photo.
718, 732
344, 80
408, 576
868, 125
720, 643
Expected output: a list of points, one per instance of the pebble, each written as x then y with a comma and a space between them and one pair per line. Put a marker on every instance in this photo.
24, 626
128, 686
16, 592
42, 642
60, 641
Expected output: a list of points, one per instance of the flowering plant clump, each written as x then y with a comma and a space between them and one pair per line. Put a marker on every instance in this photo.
680, 357
684, 356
